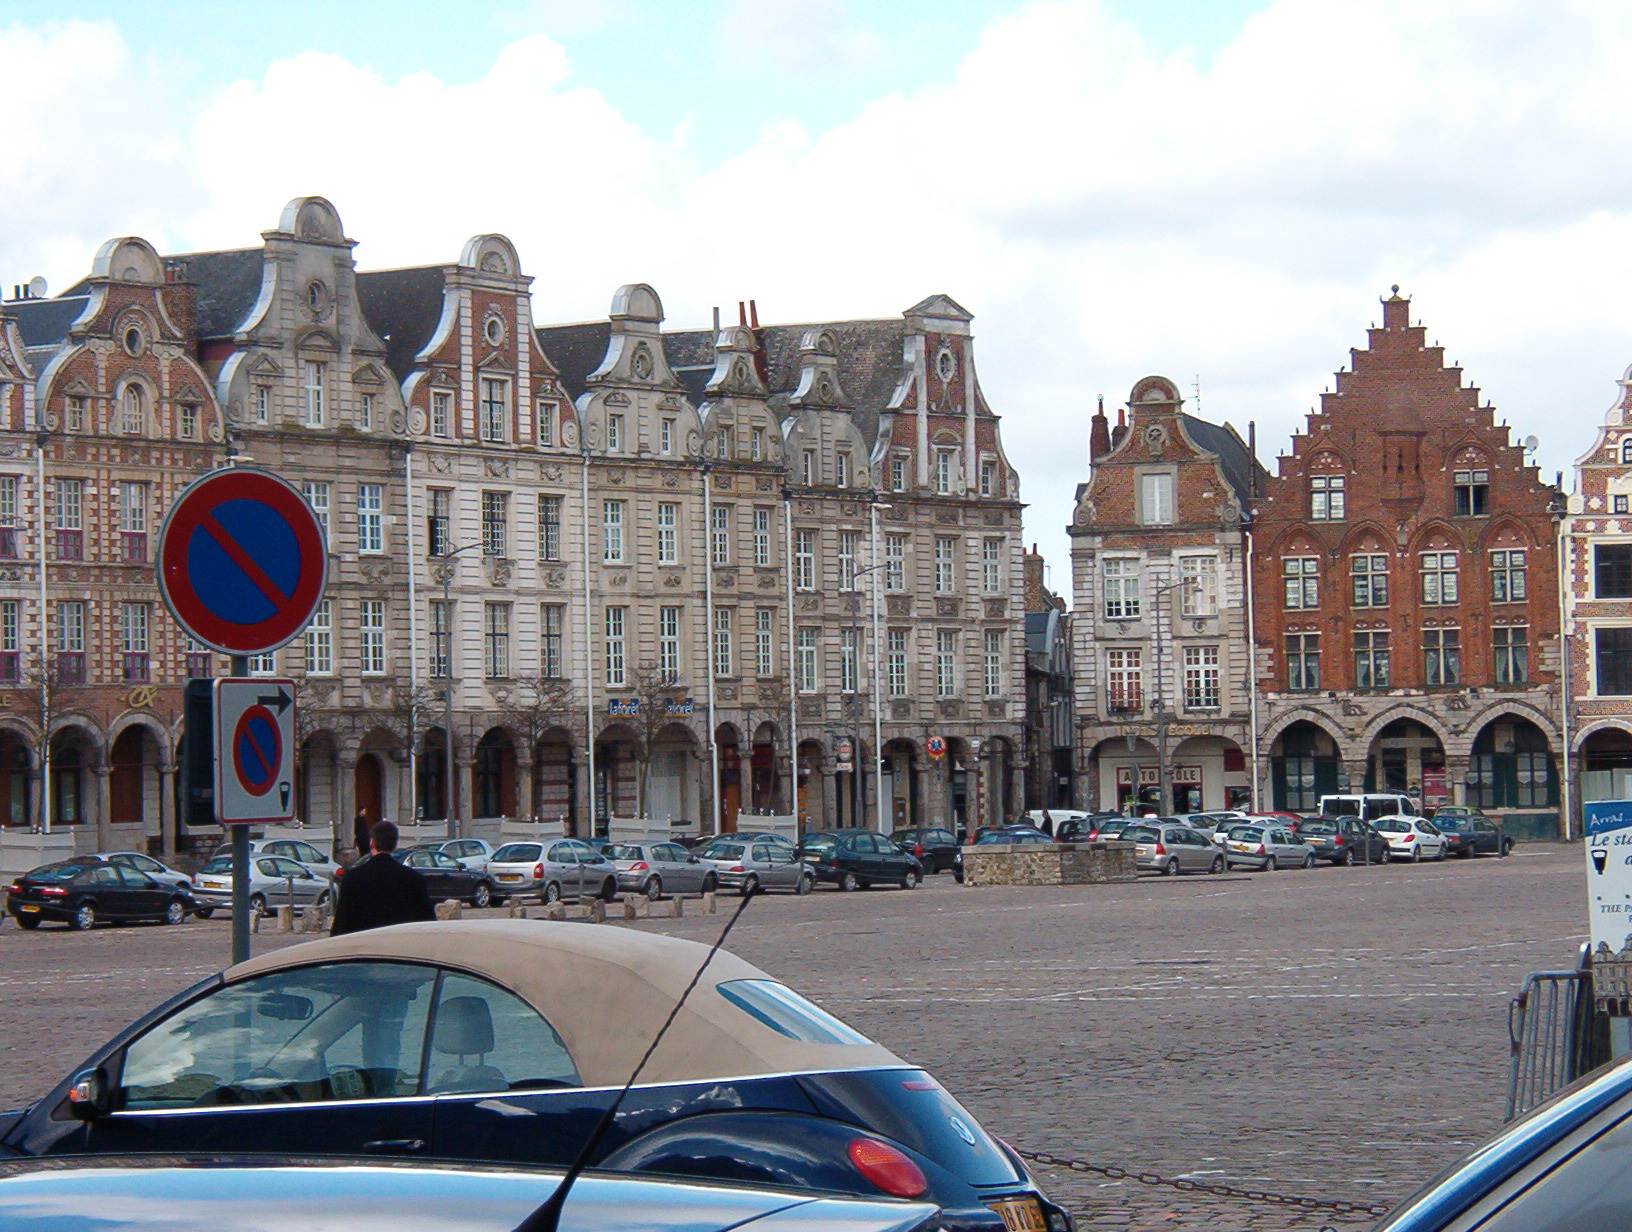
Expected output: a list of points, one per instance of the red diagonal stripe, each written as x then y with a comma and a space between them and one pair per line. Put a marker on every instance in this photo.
255, 747
243, 560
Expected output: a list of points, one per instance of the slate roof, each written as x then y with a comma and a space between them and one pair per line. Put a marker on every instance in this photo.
45, 322
228, 282
1037, 627
1238, 464
576, 351
403, 307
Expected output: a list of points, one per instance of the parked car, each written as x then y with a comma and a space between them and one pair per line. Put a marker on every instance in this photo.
937, 850
1258, 844
1411, 838
1056, 818
1114, 827
856, 859
274, 881
488, 1042
551, 869
745, 867
1292, 821
301, 852
1344, 840
1011, 835
156, 869
154, 1197
1085, 829
446, 878
82, 892
1367, 806
1171, 847
654, 869
1469, 833
472, 853
707, 850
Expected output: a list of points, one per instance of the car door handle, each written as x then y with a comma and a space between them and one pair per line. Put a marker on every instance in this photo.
394, 1146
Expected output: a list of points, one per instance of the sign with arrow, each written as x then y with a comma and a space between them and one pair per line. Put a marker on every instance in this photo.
254, 751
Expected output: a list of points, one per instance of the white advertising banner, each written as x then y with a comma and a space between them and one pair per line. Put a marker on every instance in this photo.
1609, 871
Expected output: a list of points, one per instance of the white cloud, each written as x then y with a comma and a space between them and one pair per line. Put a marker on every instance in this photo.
803, 37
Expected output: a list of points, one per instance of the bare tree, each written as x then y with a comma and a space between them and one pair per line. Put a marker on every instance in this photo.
656, 695
532, 706
770, 705
40, 695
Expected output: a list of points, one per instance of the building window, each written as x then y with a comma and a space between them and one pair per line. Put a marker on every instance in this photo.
847, 559
1442, 656
945, 565
1300, 577
1370, 580
614, 434
896, 662
311, 385
496, 640
132, 418
668, 533
612, 532
8, 517
665, 437
370, 518
1626, 451
320, 641
551, 660
762, 538
133, 634
495, 523
133, 521
1302, 662
805, 660
943, 471
10, 667
1326, 498
260, 403
71, 642
946, 663
991, 567
764, 642
189, 421
1507, 584
438, 502
1614, 661
756, 449
1612, 570
495, 410
895, 562
545, 418
810, 468
549, 528
441, 413
76, 414
804, 560
847, 660
1125, 681
197, 660
988, 474
1122, 589
70, 530
440, 615
1156, 500
668, 644
1620, 504
1511, 644
722, 443
841, 470
1201, 690
365, 412
1472, 490
1439, 584
719, 542
317, 496
263, 664
724, 660
1198, 586
614, 646
1371, 659
994, 663
371, 626
898, 474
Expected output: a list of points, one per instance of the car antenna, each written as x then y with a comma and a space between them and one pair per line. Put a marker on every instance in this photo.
546, 1217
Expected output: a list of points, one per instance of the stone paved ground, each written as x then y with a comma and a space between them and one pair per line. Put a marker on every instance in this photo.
1335, 1033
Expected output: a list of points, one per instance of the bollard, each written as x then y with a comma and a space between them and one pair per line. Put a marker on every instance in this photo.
555, 911
450, 909
628, 908
644, 906
677, 907
518, 911
286, 919
595, 911
708, 902
254, 922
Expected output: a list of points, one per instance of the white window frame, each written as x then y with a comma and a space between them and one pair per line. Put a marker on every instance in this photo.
496, 641
1121, 578
371, 636
316, 492
370, 519
495, 524
724, 658
848, 541
991, 566
614, 433
319, 640
762, 538
994, 662
668, 533
764, 642
544, 421
549, 527
896, 662
719, 539
806, 660
945, 459
946, 663
552, 640
495, 410
804, 559
312, 377
1202, 681
612, 532
946, 564
441, 413
849, 660
1198, 589
1156, 498
895, 562
616, 620
668, 644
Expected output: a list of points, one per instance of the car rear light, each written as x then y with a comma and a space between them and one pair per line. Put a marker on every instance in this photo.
917, 849
735, 868
54, 891
538, 870
1337, 840
1160, 850
1260, 849
1409, 838
887, 1168
639, 866
16, 887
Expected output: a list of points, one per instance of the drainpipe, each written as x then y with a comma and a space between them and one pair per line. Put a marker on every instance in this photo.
413, 640
708, 647
1252, 672
589, 657
792, 661
1566, 684
45, 647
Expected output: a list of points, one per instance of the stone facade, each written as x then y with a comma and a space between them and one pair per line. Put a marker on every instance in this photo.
1049, 864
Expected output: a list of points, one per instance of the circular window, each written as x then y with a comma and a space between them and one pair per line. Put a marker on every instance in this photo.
133, 340
946, 364
643, 364
317, 298
493, 331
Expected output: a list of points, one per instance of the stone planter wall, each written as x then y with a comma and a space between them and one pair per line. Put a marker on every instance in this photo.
1050, 864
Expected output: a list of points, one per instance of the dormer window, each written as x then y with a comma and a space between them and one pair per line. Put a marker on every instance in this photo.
188, 427
943, 471
1327, 499
546, 423
722, 443
441, 412
76, 414
841, 470
810, 467
756, 444
365, 412
988, 477
495, 409
1472, 490
311, 382
260, 402
665, 437
614, 433
898, 473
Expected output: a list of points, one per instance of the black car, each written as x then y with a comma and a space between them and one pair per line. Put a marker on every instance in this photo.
856, 859
1012, 834
1344, 840
1084, 829
937, 850
445, 877
81, 892
1469, 834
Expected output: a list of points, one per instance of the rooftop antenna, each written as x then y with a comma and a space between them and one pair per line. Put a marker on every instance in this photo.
37, 287
1198, 394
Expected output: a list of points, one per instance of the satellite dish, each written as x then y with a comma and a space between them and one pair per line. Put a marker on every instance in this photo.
37, 287
1531, 443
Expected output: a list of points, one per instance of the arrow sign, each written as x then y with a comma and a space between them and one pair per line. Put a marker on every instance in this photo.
254, 751
280, 699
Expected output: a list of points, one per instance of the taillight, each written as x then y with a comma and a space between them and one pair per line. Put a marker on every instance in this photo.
1409, 838
54, 891
538, 870
639, 866
1160, 850
16, 887
917, 849
1337, 840
735, 868
1260, 849
887, 1168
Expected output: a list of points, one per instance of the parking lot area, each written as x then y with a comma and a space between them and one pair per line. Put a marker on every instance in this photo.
1332, 1033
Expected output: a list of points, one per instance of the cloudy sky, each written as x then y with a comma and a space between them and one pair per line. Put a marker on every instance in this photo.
1214, 190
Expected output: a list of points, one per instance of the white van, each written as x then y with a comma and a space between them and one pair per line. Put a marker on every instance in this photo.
1369, 807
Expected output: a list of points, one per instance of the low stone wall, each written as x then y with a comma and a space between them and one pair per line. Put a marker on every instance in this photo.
1048, 864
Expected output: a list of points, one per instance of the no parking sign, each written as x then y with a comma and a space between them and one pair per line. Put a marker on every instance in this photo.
255, 751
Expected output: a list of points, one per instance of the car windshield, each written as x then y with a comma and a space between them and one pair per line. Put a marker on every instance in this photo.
622, 851
1453, 825
818, 842
221, 864
727, 851
1139, 834
517, 853
1318, 825
1249, 834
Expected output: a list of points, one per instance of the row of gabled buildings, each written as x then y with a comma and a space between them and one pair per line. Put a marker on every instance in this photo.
621, 569
1384, 612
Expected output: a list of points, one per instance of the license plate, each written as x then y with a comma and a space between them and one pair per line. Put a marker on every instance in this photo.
26, 907
1020, 1215
509, 876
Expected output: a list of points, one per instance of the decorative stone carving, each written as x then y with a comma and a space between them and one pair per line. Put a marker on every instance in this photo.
901, 708
764, 484
997, 710
947, 607
614, 477
996, 608
1456, 702
723, 482
811, 708
767, 579
496, 468
555, 578
318, 689
810, 603
498, 571
441, 464
551, 473
374, 568
569, 434
898, 605
896, 514
727, 692
950, 708
618, 579
852, 604
674, 579
995, 519
946, 517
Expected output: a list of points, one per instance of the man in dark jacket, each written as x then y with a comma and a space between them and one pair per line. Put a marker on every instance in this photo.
379, 891
360, 830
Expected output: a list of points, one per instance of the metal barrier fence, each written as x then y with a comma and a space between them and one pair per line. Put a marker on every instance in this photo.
1556, 1034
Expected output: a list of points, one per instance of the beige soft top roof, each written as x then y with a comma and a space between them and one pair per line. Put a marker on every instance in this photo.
606, 990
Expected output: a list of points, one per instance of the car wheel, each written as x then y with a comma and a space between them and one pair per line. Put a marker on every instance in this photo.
175, 912
1309, 861
1217, 866
1346, 859
911, 880
1416, 854
1171, 868
750, 883
609, 890
653, 889
83, 918
1441, 854
552, 892
807, 883
711, 883
30, 922
848, 882
482, 897
1388, 855
257, 905
202, 913
1269, 865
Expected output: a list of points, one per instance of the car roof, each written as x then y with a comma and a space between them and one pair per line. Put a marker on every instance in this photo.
581, 976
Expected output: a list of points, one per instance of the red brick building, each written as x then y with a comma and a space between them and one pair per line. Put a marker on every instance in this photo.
1406, 594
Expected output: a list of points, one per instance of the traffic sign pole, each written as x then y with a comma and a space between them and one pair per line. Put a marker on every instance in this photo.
240, 863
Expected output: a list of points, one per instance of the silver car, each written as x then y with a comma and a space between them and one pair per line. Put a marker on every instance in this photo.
654, 869
747, 866
472, 853
1267, 846
1171, 848
301, 852
156, 869
552, 869
274, 881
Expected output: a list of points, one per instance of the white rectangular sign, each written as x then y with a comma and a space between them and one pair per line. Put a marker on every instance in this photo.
254, 751
1609, 871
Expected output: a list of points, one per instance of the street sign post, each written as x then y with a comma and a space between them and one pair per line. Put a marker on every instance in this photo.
254, 751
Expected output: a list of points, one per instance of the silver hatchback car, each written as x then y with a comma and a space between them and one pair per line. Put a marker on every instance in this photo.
655, 869
749, 866
274, 881
552, 869
1171, 848
1267, 846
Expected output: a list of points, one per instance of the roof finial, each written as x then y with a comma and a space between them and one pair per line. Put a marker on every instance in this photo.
1395, 288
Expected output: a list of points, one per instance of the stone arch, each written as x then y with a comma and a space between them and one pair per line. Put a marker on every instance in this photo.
617, 768
636, 301
554, 787
1272, 730
1506, 522
1306, 759
1400, 759
1403, 710
1517, 708
1617, 723
1512, 760
1154, 391
1426, 533
77, 752
128, 258
312, 218
490, 254
1352, 538
493, 774
317, 782
18, 775
901, 785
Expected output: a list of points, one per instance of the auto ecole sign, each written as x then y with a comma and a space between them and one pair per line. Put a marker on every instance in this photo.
254, 751
1609, 871
241, 561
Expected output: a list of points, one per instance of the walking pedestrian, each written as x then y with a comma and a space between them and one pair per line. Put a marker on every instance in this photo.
1048, 824
378, 891
360, 832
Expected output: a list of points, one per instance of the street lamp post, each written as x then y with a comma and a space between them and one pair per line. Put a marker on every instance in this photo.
450, 787
857, 796
1164, 773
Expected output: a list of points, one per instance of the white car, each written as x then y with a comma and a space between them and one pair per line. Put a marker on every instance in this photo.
472, 853
1411, 838
301, 852
159, 871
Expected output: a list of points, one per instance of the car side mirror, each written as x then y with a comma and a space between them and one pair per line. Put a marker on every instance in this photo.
90, 1097
693, 860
